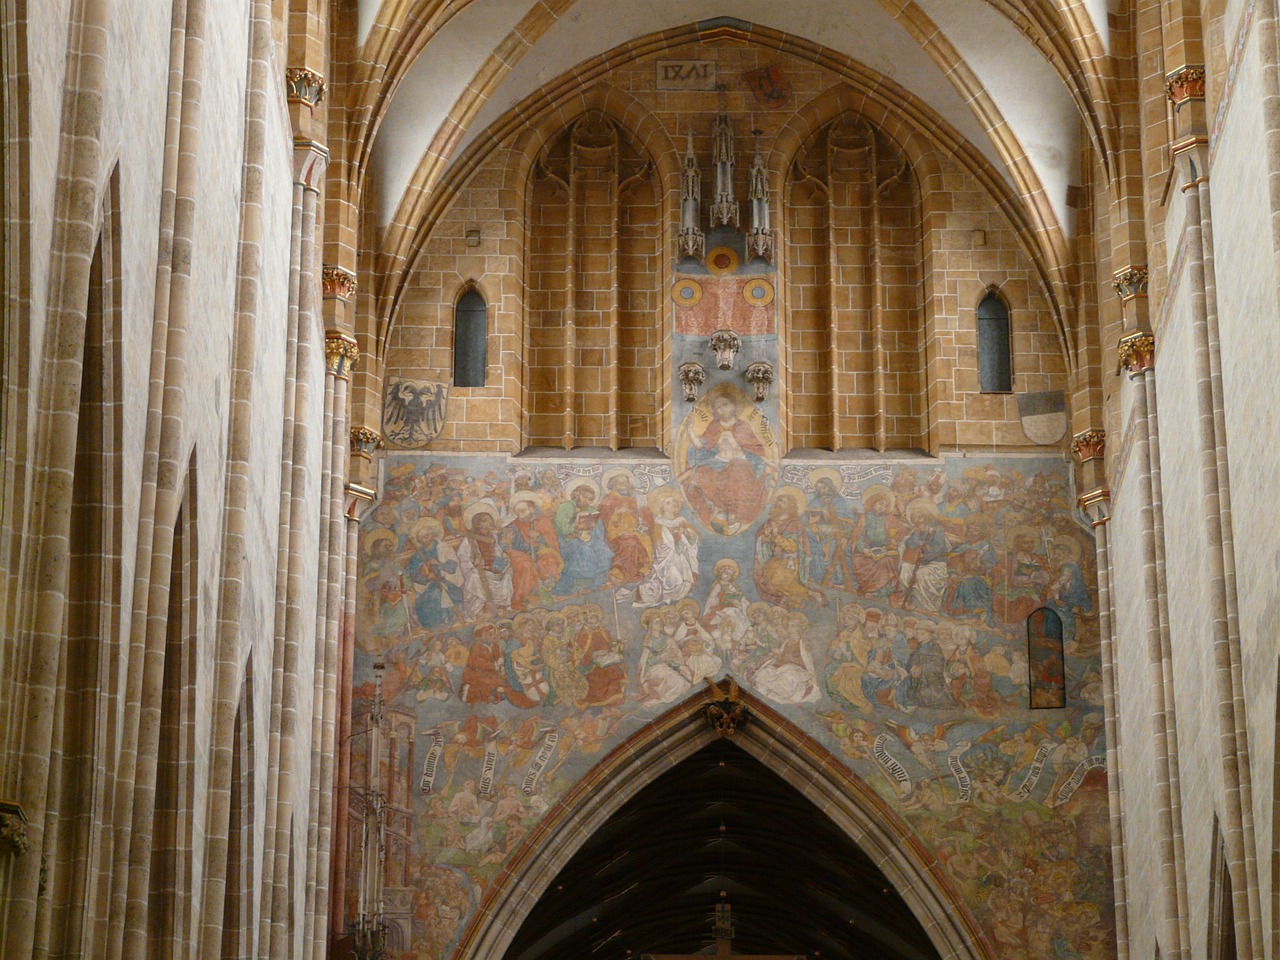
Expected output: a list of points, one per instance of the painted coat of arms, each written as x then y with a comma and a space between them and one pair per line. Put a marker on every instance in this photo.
770, 86
413, 412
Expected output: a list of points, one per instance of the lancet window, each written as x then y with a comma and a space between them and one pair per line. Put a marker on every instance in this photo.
470, 339
995, 351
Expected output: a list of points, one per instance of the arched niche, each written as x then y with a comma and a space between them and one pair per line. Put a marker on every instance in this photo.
851, 805
852, 226
593, 343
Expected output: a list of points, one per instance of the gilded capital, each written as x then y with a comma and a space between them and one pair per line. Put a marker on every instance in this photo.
304, 86
1089, 445
1184, 84
1096, 505
1130, 282
364, 442
1137, 353
338, 283
341, 353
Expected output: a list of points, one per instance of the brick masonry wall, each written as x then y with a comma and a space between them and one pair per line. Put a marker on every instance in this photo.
940, 255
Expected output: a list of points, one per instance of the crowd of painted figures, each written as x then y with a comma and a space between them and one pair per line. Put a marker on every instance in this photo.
529, 618
544, 576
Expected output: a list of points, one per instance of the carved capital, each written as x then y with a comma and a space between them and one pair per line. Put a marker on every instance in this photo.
310, 161
358, 500
1184, 84
341, 353
1137, 353
304, 86
1089, 445
1130, 283
338, 283
1096, 505
759, 375
13, 829
364, 442
691, 377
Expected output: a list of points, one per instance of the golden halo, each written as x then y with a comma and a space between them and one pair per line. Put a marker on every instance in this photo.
573, 485
797, 497
377, 536
614, 473
686, 292
721, 260
827, 473
728, 563
1070, 545
525, 496
660, 495
480, 506
758, 292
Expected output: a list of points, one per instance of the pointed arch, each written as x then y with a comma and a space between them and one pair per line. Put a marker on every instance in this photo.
237, 913
89, 678
776, 743
171, 875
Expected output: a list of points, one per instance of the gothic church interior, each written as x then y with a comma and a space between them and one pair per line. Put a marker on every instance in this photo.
517, 479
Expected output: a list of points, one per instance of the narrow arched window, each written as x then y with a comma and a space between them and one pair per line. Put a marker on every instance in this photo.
995, 352
1046, 665
470, 340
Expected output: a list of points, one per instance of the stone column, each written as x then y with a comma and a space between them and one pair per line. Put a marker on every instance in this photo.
1191, 154
1089, 448
1137, 356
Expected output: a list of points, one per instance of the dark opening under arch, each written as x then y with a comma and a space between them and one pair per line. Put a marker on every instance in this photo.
470, 340
648, 880
995, 349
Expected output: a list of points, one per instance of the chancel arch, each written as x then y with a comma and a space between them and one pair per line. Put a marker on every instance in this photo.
675, 740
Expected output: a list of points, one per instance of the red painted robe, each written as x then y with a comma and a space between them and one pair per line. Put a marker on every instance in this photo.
626, 532
534, 552
728, 485
605, 671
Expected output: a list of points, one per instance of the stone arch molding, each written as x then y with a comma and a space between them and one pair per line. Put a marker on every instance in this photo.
773, 741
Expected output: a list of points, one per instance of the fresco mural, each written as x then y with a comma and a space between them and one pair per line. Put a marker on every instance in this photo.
532, 613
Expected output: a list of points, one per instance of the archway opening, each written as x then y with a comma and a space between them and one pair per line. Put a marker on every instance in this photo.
720, 827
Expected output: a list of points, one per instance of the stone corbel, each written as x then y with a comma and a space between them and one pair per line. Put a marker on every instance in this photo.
338, 283
725, 344
304, 86
1089, 445
364, 442
726, 711
691, 376
1184, 85
759, 375
1130, 282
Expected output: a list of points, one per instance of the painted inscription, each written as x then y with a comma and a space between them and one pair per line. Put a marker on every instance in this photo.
674, 75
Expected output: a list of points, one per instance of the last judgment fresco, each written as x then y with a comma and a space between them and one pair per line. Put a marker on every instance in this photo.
531, 614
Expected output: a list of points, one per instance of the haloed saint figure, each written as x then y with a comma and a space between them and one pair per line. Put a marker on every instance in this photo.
726, 460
